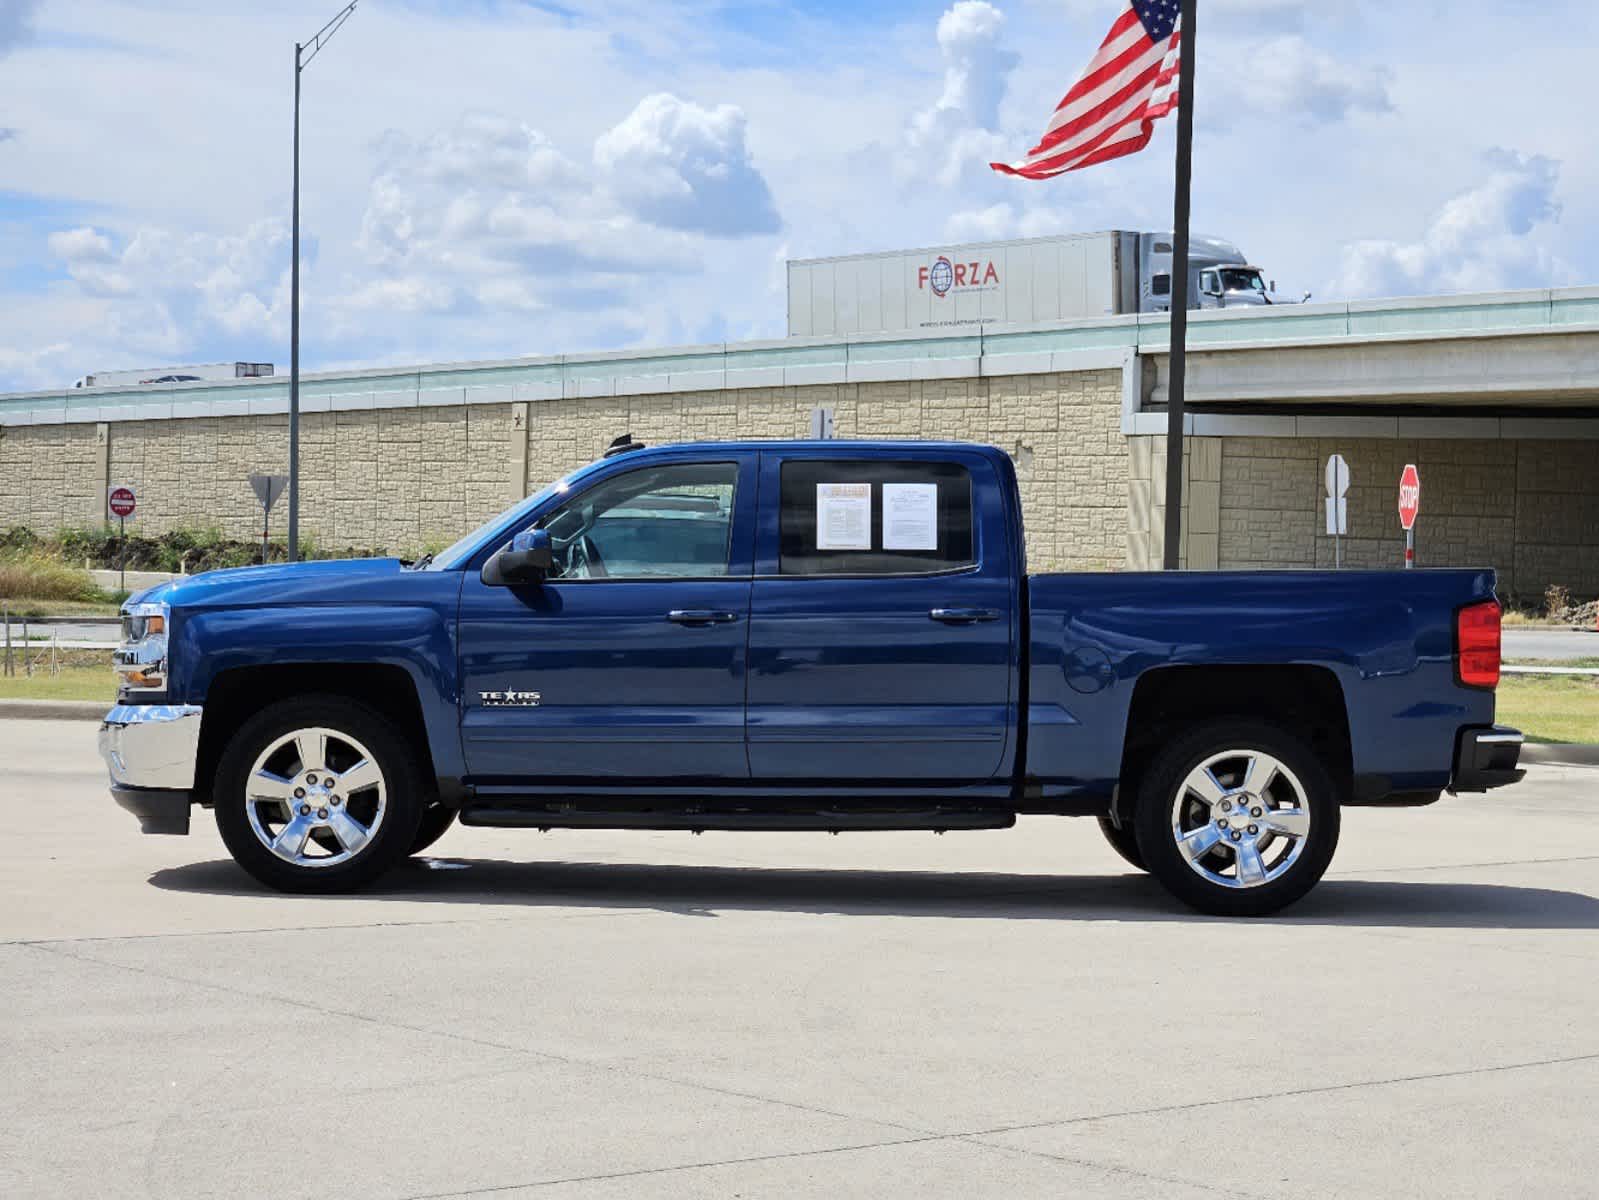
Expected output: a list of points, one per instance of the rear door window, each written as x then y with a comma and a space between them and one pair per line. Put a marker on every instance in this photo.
838, 517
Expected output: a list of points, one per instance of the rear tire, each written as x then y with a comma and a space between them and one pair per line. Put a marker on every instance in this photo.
317, 794
436, 819
1237, 818
1124, 841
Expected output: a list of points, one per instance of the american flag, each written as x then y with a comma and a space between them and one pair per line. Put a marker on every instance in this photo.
1112, 109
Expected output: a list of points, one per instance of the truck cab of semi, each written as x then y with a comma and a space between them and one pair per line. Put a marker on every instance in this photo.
1219, 276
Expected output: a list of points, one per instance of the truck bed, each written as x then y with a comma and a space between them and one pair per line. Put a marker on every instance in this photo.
1104, 648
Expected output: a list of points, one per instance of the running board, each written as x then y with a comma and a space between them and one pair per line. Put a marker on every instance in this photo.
830, 820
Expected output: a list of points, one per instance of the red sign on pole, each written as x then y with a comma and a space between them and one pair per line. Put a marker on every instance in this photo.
1409, 496
121, 501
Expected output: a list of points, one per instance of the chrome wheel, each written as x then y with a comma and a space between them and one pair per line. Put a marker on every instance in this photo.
1240, 818
315, 797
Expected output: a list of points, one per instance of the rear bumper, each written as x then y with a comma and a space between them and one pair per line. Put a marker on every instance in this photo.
1486, 758
150, 751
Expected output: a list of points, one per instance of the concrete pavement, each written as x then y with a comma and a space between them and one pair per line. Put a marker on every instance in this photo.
631, 1014
1560, 645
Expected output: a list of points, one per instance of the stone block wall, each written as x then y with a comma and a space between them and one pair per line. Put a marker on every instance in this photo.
401, 479
52, 476
1198, 544
1528, 508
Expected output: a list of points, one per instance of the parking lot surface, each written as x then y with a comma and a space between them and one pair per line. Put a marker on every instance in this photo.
633, 1014
1555, 645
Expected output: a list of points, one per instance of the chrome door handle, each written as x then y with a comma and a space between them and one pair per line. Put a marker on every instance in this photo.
964, 616
700, 616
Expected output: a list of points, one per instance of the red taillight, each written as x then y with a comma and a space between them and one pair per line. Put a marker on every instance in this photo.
1477, 644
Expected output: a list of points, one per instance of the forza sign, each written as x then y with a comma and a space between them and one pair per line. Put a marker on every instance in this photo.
942, 276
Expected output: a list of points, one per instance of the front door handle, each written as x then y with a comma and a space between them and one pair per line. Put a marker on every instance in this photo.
964, 616
700, 616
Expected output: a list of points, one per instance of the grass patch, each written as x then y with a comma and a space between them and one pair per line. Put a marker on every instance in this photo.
33, 609
75, 682
1527, 618
36, 577
1551, 708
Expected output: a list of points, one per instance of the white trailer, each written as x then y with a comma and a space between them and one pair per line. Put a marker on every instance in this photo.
187, 374
974, 285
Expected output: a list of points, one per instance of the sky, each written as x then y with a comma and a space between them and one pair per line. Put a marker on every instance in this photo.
492, 179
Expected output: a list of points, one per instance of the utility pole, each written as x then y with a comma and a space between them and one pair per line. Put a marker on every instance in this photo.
301, 61
1179, 289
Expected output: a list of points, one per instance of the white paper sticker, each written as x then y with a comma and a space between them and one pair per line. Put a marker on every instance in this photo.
843, 516
910, 516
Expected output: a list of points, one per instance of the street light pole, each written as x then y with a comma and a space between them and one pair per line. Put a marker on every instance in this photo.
301, 61
294, 338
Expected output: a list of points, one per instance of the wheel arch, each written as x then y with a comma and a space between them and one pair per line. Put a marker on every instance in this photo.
239, 693
1302, 699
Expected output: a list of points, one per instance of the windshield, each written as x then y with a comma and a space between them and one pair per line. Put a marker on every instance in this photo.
1236, 280
456, 554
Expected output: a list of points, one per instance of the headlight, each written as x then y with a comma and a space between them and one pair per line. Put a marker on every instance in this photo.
141, 660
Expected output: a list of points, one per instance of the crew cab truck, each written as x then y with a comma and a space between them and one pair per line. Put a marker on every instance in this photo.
799, 635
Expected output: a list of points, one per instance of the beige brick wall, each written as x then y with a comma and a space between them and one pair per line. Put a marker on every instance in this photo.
1530, 509
1198, 546
399, 479
52, 476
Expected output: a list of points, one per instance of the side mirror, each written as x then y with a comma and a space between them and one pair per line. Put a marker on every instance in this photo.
525, 560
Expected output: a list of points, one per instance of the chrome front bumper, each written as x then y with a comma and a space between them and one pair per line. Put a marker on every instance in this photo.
150, 750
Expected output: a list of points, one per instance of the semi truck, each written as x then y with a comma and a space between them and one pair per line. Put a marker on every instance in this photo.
799, 636
1020, 282
195, 373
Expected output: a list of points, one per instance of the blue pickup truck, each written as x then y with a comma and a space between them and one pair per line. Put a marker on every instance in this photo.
799, 635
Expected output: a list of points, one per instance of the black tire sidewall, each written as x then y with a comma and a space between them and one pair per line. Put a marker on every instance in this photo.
401, 817
437, 818
1124, 841
1153, 820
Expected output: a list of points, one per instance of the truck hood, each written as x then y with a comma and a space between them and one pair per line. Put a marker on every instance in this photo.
320, 582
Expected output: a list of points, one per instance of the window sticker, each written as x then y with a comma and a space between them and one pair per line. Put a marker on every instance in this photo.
910, 516
843, 516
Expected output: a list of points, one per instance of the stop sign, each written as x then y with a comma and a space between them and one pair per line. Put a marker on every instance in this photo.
121, 502
1409, 496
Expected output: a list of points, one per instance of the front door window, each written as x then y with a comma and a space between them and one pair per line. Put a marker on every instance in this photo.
666, 522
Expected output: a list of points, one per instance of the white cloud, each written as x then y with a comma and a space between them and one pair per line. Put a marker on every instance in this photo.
956, 133
80, 245
681, 166
236, 284
488, 215
1288, 75
975, 66
1000, 221
1481, 240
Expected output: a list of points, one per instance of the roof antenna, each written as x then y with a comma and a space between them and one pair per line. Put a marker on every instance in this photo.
622, 445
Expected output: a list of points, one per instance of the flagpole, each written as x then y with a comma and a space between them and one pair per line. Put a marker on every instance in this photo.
1179, 289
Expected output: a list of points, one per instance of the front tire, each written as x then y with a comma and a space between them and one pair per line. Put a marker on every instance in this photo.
317, 794
1237, 818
